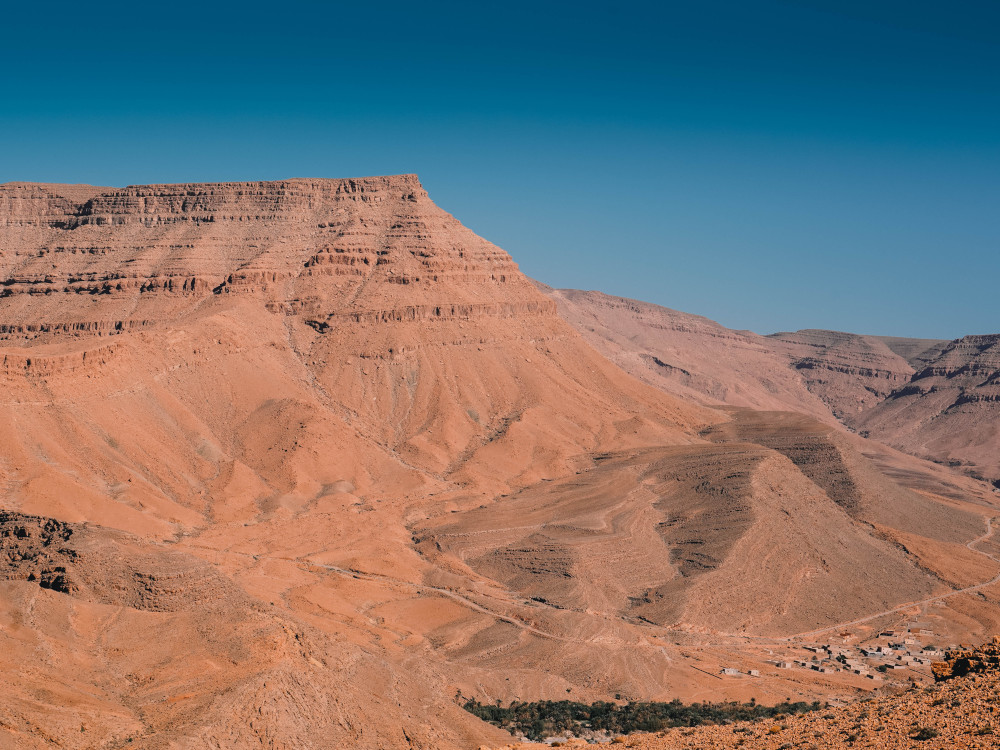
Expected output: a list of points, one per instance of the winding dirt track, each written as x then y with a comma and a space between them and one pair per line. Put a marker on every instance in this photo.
448, 593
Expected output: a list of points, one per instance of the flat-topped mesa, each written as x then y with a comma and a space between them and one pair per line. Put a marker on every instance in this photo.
976, 357
370, 249
71, 206
284, 200
26, 204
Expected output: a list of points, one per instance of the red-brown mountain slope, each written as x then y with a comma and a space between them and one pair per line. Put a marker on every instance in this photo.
278, 377
388, 451
931, 398
688, 355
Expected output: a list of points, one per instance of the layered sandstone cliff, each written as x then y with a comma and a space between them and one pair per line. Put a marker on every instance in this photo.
949, 410
850, 373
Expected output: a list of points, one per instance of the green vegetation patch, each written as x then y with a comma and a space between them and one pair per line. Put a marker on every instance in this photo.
541, 719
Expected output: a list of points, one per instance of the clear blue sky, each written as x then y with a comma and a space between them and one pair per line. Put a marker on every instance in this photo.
772, 164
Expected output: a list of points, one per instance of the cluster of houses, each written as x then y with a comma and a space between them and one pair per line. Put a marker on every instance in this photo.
731, 672
890, 652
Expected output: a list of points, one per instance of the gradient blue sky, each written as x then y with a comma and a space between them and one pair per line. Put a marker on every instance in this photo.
772, 164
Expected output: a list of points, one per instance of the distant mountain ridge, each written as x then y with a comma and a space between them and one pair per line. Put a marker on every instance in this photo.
949, 410
933, 398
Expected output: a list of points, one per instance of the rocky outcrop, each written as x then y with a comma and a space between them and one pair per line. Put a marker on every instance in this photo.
427, 313
962, 661
29, 331
25, 204
71, 207
36, 549
104, 566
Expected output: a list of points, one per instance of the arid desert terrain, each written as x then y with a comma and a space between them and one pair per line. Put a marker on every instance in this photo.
295, 464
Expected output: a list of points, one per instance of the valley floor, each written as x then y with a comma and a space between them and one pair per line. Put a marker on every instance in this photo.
959, 713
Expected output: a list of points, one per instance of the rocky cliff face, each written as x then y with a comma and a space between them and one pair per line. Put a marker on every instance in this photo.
850, 373
126, 258
960, 662
376, 290
949, 410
